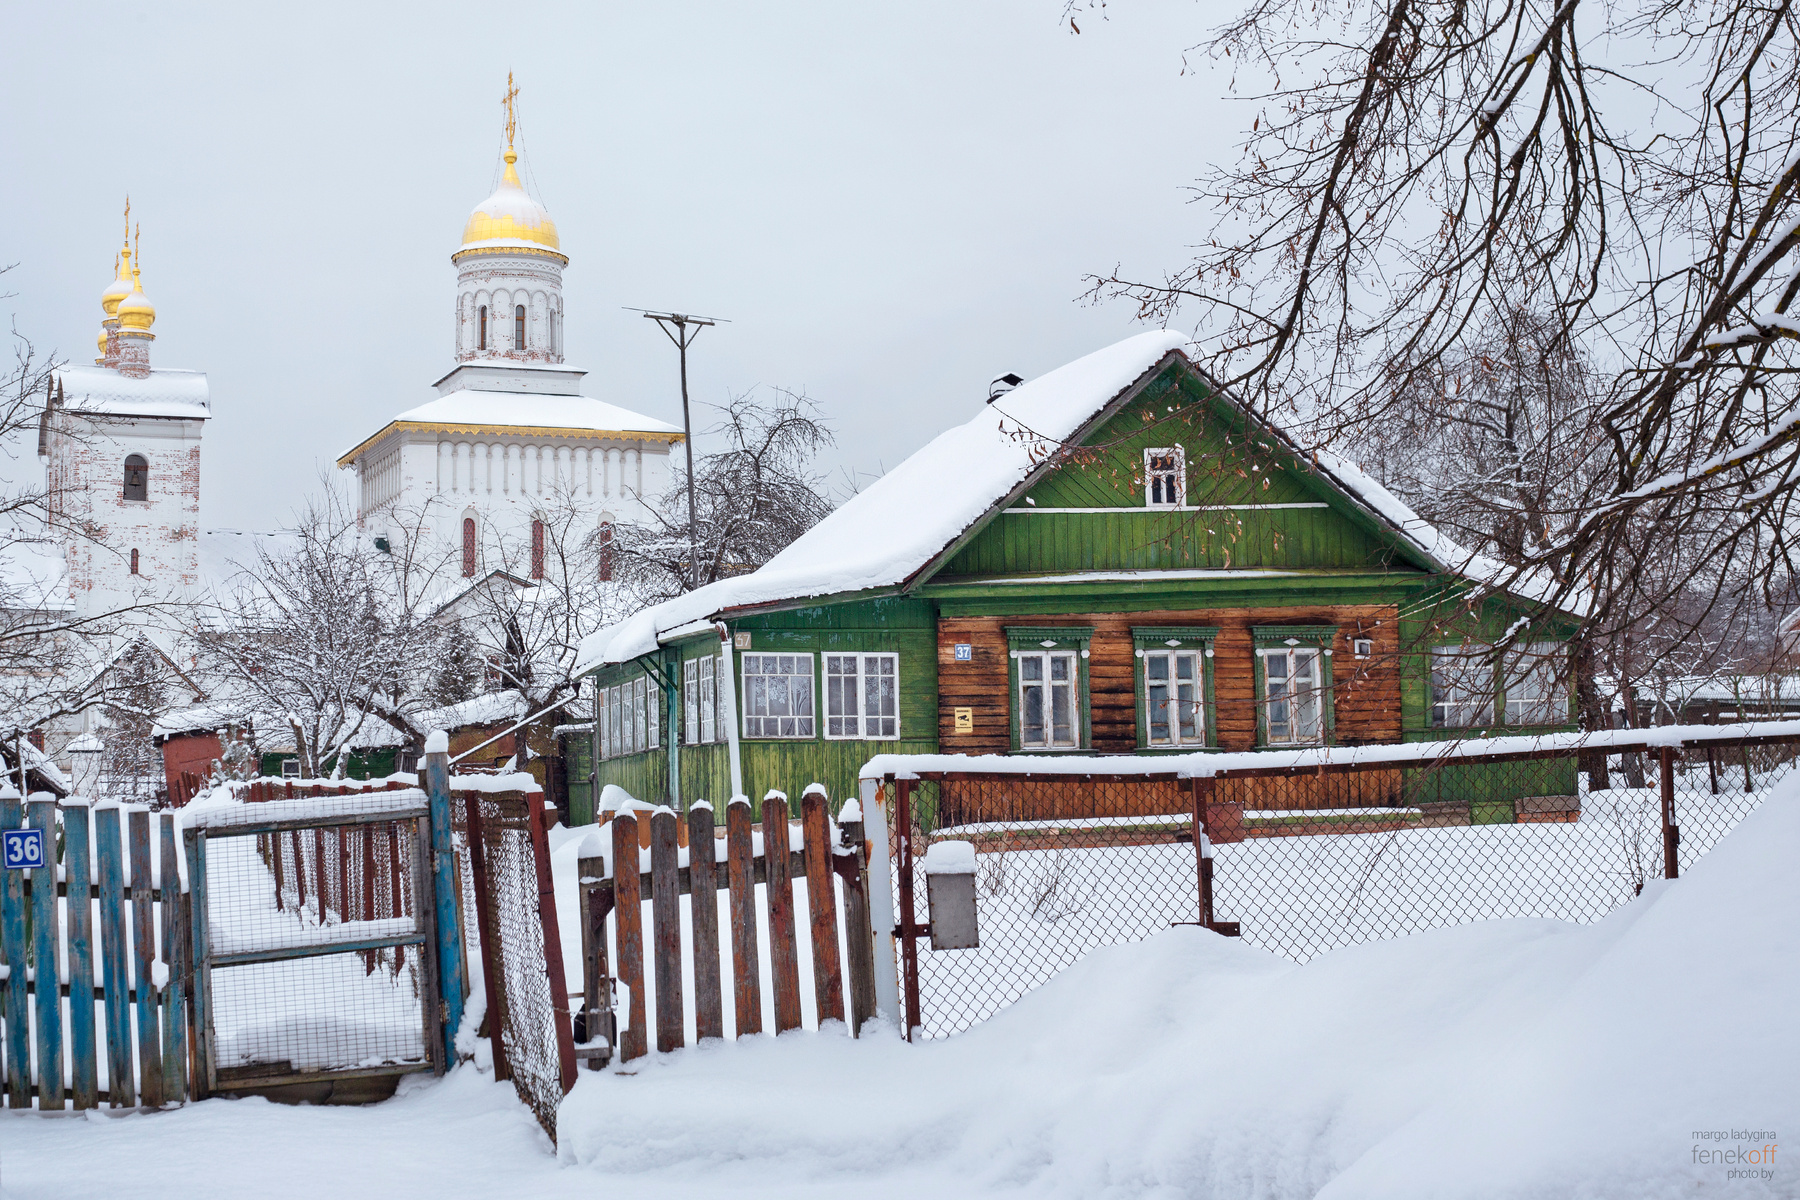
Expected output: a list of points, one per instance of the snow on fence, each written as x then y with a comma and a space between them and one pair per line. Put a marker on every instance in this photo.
112, 883
1309, 850
759, 908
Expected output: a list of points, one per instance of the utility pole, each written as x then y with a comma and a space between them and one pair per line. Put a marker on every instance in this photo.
685, 329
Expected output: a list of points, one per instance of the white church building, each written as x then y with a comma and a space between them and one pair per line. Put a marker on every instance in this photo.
509, 434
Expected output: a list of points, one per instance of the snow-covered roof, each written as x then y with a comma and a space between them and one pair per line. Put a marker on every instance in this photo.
882, 537
201, 718
472, 410
34, 576
490, 709
941, 490
165, 392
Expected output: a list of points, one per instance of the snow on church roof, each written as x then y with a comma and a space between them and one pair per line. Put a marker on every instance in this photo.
165, 392
885, 534
473, 410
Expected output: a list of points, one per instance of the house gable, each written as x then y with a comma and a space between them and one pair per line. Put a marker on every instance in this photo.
1250, 503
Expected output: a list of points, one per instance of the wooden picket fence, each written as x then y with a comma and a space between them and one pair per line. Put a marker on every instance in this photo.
142, 934
819, 860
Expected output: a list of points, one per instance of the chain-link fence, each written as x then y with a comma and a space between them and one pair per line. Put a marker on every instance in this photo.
1307, 853
509, 912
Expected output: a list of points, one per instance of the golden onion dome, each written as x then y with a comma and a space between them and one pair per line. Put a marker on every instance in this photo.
120, 286
100, 343
135, 312
510, 217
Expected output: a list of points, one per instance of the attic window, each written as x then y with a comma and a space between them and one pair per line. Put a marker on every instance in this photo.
1165, 477
137, 477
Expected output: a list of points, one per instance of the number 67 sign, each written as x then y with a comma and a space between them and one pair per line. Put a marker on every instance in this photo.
21, 848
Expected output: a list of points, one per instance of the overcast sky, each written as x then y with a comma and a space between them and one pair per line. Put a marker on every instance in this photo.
892, 203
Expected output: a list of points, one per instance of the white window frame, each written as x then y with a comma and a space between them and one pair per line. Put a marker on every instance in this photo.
709, 697
1045, 660
690, 701
1153, 477
1462, 686
1534, 684
805, 725
1173, 657
1292, 699
853, 721
639, 735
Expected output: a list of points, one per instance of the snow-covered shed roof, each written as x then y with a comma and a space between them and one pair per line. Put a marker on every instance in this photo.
474, 411
166, 392
897, 528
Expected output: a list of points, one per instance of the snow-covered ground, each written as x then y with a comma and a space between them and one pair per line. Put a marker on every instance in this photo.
1502, 1059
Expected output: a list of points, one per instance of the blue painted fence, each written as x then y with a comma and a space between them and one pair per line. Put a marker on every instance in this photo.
96, 893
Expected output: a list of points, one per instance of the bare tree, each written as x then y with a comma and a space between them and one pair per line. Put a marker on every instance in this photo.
754, 497
330, 633
1417, 169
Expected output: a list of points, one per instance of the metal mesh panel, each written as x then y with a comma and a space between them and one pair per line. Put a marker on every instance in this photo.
1310, 862
523, 1012
1063, 865
1307, 860
285, 899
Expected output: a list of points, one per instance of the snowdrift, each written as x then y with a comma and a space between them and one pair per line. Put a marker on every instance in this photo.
1508, 1058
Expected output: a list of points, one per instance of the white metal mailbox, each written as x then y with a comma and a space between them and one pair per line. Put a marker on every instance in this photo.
950, 895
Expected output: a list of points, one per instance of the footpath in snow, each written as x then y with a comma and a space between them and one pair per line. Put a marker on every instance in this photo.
1522, 1058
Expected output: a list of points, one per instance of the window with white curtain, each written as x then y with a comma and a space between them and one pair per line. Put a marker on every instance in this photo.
778, 696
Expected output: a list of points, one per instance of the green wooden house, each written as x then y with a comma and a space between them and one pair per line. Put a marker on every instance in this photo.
1114, 558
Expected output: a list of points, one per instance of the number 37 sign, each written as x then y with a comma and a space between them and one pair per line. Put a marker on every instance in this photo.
22, 848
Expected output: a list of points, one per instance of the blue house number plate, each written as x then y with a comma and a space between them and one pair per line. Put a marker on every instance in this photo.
22, 848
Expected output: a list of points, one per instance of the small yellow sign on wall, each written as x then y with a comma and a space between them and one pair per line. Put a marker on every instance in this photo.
965, 720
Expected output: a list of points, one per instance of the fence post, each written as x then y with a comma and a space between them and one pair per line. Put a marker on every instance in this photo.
40, 813
784, 957
491, 982
596, 892
553, 956
628, 925
665, 918
740, 874
859, 945
821, 903
1203, 786
1671, 832
703, 916
12, 940
909, 930
451, 966
76, 859
121, 1088
881, 896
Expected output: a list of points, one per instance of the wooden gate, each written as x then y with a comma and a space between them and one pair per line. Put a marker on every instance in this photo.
314, 935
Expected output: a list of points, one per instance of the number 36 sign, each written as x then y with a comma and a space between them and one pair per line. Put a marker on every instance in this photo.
22, 848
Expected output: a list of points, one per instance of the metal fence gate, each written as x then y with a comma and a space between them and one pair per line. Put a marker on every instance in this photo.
510, 910
315, 948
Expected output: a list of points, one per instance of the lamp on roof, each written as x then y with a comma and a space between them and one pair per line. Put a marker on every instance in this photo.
1003, 385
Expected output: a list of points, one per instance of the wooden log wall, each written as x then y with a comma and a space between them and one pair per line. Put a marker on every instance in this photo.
831, 864
137, 998
1365, 692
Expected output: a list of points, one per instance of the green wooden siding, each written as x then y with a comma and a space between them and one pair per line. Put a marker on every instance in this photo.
903, 626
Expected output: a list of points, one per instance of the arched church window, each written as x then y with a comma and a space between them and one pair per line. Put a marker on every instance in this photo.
468, 547
537, 549
606, 551
482, 333
134, 560
137, 477
519, 327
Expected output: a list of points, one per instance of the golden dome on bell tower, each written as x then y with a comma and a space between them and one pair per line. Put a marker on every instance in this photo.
510, 220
